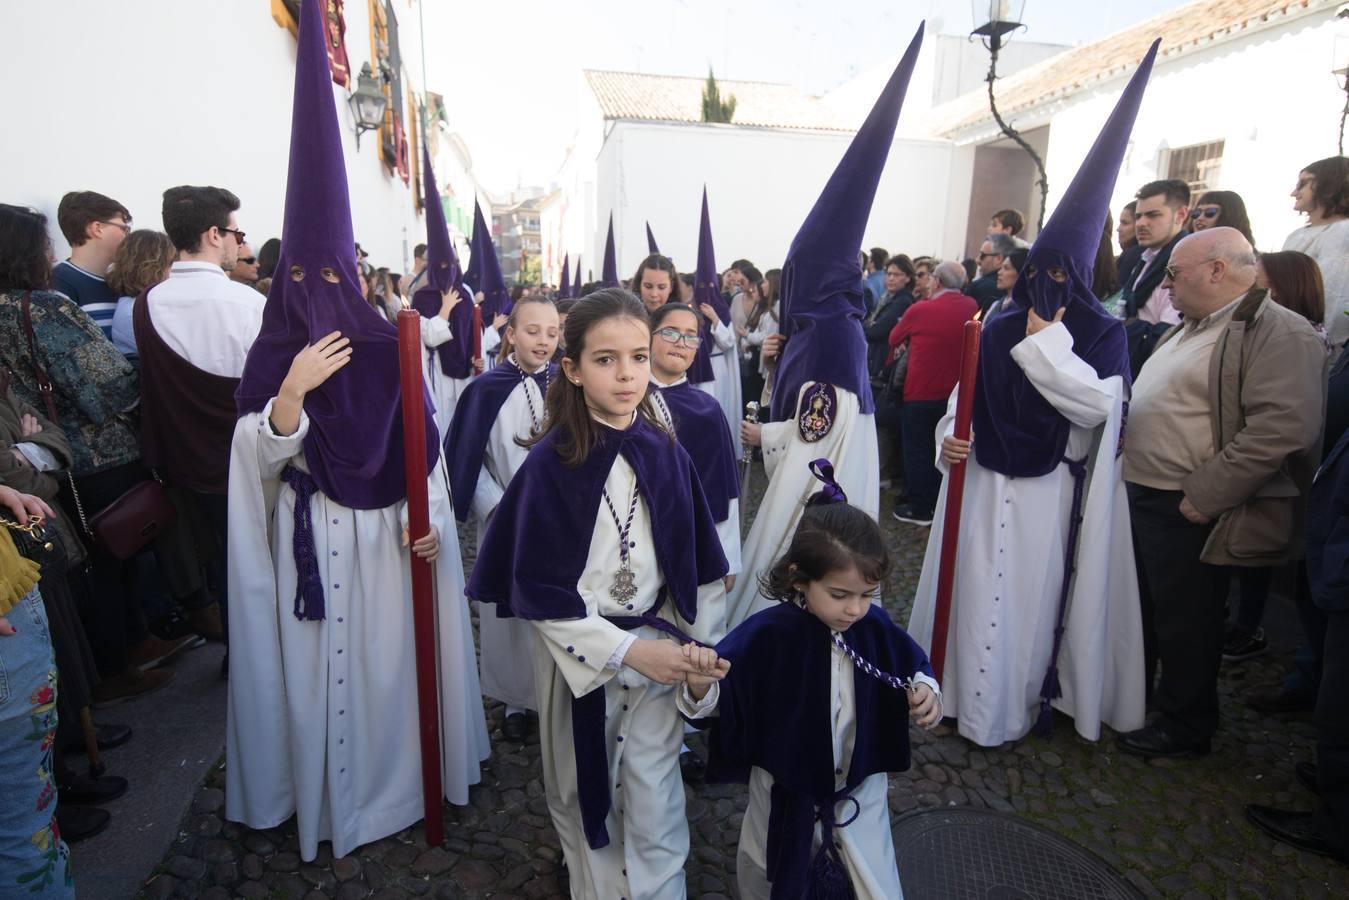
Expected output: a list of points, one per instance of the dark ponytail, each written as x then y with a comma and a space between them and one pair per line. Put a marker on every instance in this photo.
565, 407
829, 537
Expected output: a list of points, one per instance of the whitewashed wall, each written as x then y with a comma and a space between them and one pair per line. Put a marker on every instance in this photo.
131, 98
761, 183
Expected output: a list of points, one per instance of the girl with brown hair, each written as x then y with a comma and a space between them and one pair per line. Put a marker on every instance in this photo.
141, 262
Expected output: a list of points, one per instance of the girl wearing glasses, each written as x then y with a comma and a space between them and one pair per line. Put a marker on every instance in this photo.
1224, 208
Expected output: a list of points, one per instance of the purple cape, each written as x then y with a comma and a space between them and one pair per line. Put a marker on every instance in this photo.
534, 551
774, 713
354, 447
474, 415
484, 269
701, 428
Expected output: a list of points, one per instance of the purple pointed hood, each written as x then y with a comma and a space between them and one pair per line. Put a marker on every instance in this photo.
706, 289
564, 283
609, 276
576, 285
651, 240
485, 265
1020, 434
822, 300
354, 445
442, 273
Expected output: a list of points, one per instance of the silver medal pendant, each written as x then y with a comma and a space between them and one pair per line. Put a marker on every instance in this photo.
624, 590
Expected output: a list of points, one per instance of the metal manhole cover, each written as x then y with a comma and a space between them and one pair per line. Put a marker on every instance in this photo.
977, 854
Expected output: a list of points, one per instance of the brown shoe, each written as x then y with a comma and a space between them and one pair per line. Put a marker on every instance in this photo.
206, 622
152, 651
130, 684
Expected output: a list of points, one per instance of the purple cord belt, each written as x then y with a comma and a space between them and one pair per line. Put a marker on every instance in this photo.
309, 602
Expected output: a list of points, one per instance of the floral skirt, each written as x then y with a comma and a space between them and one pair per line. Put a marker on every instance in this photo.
34, 861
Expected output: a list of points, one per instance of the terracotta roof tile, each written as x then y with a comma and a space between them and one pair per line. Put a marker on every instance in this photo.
1198, 24
670, 98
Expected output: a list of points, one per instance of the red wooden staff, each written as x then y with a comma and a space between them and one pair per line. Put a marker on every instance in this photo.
477, 339
423, 597
955, 495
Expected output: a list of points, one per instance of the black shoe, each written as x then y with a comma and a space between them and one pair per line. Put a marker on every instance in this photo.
109, 736
1240, 647
913, 515
1154, 741
515, 727
692, 767
93, 789
79, 822
1280, 700
225, 666
1293, 827
1308, 775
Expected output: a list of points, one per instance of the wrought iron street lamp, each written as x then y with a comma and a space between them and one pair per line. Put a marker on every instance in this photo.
1000, 19
367, 103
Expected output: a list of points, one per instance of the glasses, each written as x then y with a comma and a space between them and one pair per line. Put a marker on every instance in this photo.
987, 255
248, 260
1208, 212
922, 274
1173, 270
126, 227
238, 235
671, 336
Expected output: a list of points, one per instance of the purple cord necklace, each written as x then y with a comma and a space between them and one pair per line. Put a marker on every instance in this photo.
624, 589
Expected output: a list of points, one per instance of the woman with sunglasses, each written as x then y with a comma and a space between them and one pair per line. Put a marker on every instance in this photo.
1322, 193
1224, 208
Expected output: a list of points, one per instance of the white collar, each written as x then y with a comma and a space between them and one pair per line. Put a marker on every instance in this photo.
191, 267
676, 383
607, 425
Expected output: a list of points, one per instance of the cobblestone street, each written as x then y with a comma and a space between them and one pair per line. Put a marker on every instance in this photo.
1175, 828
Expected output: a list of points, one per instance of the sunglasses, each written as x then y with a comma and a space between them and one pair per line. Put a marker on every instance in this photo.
671, 336
1208, 212
248, 260
238, 235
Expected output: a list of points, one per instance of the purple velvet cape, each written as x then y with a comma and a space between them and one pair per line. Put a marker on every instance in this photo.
701, 428
774, 713
354, 446
534, 551
474, 415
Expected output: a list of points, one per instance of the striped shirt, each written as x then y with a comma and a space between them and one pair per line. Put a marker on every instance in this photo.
89, 291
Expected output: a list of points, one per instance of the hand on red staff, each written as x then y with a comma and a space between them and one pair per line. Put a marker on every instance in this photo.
772, 345
924, 707
751, 433
448, 301
1191, 512
478, 298
427, 546
954, 450
1035, 324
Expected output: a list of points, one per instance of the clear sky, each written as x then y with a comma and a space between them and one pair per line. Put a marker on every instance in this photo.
510, 68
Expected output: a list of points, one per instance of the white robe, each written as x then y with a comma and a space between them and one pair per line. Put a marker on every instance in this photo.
1009, 572
866, 845
322, 715
444, 390
725, 385
647, 850
728, 529
507, 644
850, 445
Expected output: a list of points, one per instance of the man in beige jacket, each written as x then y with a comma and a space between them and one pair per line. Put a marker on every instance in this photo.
1221, 445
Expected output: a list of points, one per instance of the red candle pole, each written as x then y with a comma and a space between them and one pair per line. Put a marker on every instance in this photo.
477, 338
423, 597
955, 496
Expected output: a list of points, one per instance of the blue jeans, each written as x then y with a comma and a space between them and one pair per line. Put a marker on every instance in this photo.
920, 419
34, 861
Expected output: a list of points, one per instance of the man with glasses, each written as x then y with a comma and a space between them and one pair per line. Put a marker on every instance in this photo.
984, 288
1222, 442
194, 330
94, 225
245, 269
1160, 217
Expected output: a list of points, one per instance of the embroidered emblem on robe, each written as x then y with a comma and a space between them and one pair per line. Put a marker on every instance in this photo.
816, 415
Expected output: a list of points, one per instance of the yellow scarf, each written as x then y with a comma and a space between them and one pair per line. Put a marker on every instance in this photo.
17, 574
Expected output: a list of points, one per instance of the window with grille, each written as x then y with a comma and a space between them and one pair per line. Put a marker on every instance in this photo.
1198, 165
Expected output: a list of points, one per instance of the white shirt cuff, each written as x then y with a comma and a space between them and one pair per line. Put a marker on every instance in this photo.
39, 458
616, 658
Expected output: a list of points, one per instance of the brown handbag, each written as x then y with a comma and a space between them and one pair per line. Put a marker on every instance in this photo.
128, 524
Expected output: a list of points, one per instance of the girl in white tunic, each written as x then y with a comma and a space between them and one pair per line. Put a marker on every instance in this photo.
818, 813
485, 446
604, 544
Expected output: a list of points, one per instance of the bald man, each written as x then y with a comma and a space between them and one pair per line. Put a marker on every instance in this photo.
1221, 446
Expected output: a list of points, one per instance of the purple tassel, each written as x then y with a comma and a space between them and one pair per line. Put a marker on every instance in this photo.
1051, 690
309, 601
828, 879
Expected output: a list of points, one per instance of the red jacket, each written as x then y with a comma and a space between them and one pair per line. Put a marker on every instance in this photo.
933, 328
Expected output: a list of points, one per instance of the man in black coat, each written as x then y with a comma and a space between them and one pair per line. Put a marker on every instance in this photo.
1160, 217
984, 288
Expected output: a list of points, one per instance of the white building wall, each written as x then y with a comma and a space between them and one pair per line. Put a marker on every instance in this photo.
129, 99
761, 183
1269, 95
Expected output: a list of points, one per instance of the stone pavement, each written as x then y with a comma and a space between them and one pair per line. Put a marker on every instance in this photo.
1175, 828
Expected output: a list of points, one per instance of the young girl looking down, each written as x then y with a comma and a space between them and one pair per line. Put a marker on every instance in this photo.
604, 544
824, 654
